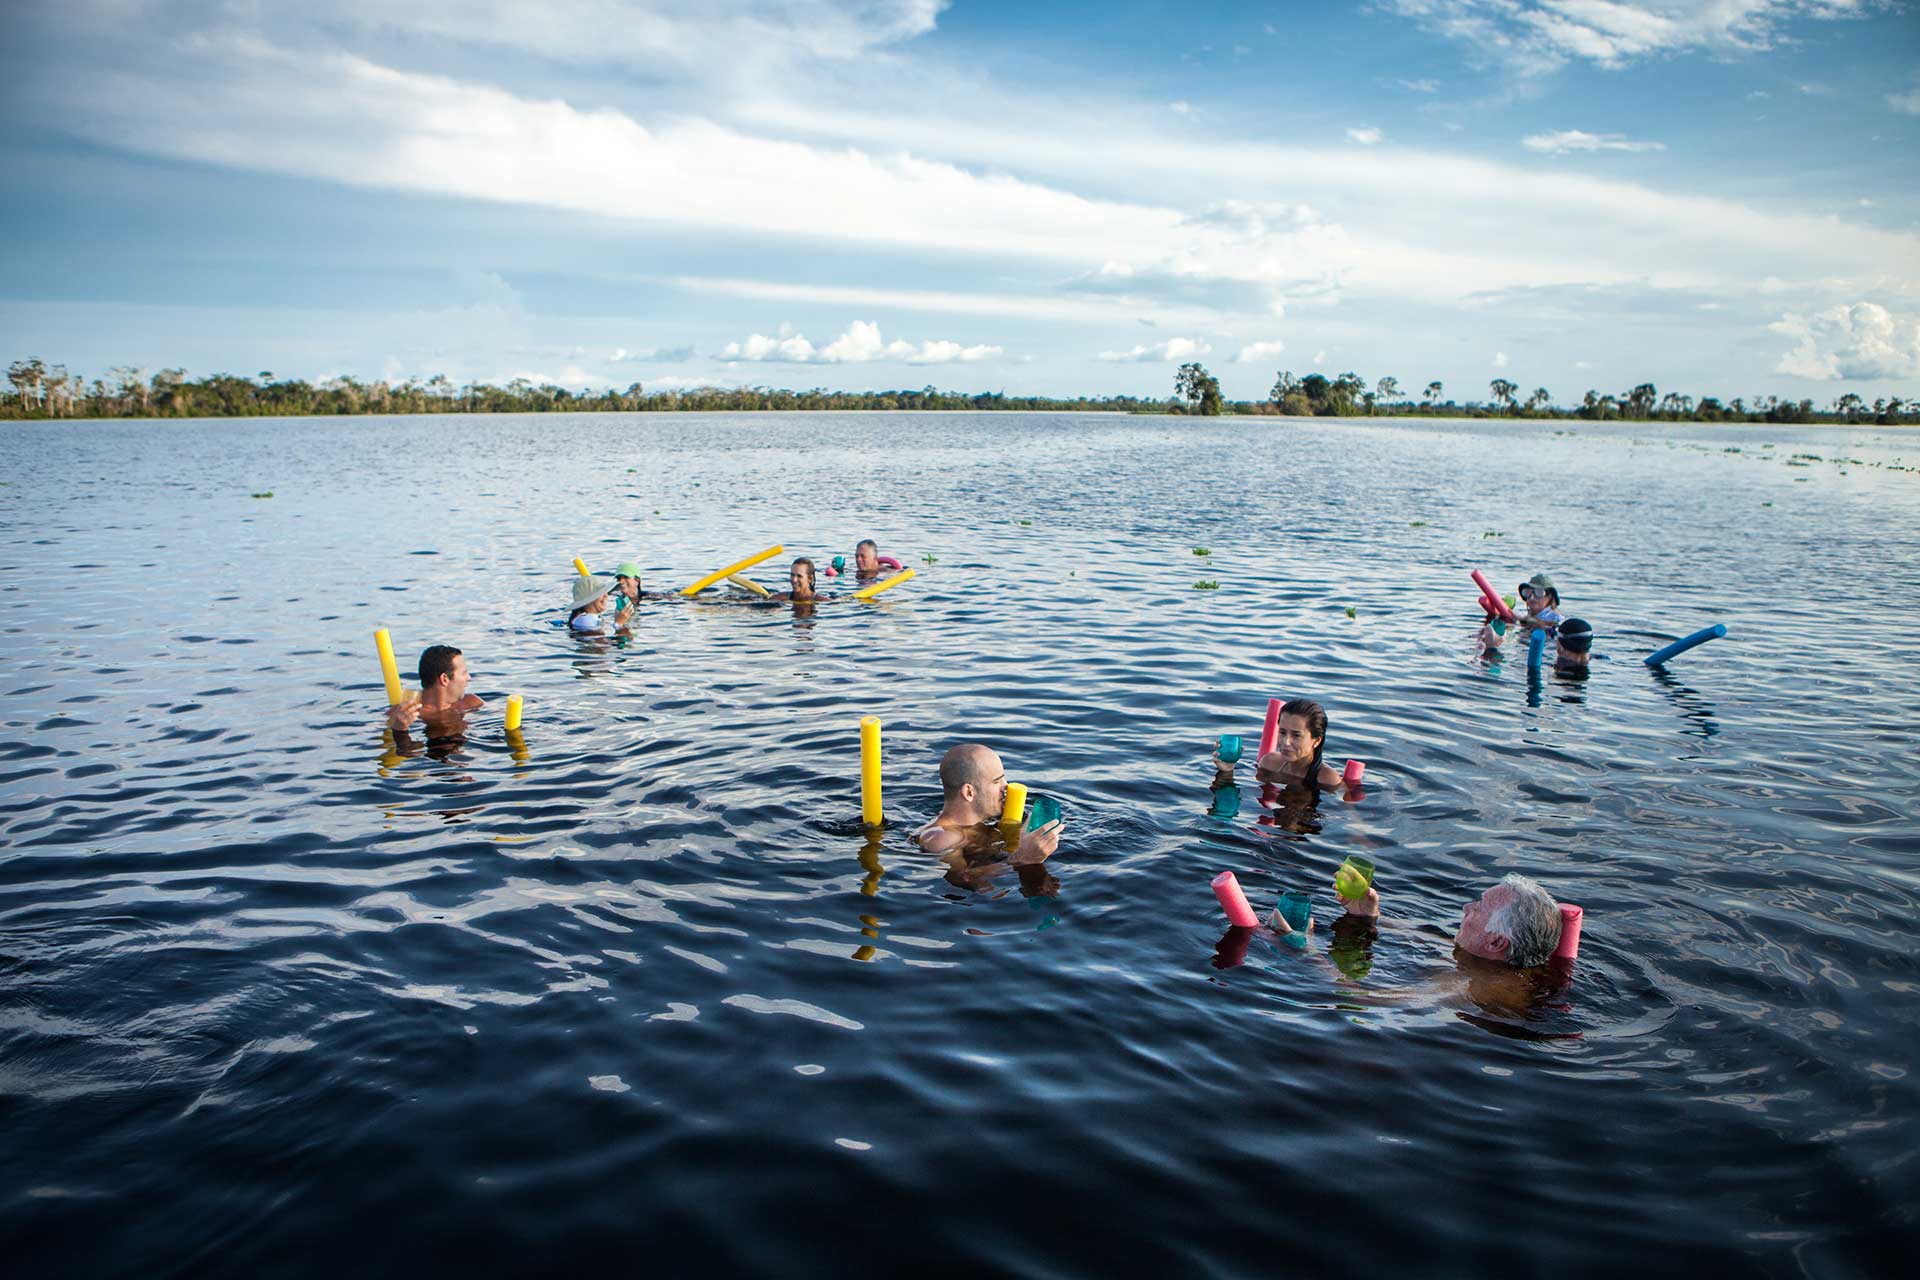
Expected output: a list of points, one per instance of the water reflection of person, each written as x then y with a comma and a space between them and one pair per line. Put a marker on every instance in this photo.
1293, 807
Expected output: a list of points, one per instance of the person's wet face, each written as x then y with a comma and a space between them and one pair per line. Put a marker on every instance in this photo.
992, 797
629, 587
866, 559
454, 682
1293, 739
1473, 937
800, 580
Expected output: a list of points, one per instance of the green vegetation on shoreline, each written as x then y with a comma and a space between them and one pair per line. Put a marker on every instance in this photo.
42, 391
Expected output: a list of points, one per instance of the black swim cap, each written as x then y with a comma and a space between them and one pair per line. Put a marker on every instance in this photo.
1576, 634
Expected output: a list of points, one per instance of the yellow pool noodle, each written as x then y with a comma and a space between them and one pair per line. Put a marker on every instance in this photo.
1016, 806
581, 567
749, 584
513, 712
732, 569
388, 669
870, 771
868, 593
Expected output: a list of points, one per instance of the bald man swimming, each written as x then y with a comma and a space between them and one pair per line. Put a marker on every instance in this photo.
975, 785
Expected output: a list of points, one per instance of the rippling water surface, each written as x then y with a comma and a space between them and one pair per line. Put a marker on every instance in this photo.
275, 997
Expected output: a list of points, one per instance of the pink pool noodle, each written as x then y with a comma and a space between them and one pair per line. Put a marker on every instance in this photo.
1270, 734
1356, 770
1492, 597
1233, 901
1569, 947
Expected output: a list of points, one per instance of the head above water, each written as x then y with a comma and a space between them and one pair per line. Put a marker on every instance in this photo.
800, 579
1301, 733
866, 556
1575, 635
627, 578
443, 667
973, 781
1539, 591
1516, 922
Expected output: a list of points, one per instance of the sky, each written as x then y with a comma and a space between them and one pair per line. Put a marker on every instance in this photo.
1716, 196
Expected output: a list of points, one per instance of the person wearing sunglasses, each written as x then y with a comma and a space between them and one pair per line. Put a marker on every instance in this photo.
1542, 599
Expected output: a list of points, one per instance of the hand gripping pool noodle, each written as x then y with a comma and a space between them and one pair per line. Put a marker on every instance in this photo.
1492, 598
868, 593
1355, 771
1271, 733
870, 771
732, 569
1678, 647
1227, 888
513, 713
388, 670
1570, 917
580, 567
748, 584
1536, 647
1016, 806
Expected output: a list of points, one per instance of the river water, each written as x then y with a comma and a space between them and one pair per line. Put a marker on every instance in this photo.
277, 998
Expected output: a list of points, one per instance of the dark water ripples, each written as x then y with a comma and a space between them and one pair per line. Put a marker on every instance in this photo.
263, 978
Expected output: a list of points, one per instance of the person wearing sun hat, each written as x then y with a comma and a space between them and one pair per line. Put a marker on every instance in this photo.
1542, 599
589, 602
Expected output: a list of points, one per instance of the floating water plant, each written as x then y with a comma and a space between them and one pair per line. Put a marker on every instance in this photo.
1026, 522
1352, 612
1206, 584
1203, 551
1418, 524
930, 558
267, 494
1492, 533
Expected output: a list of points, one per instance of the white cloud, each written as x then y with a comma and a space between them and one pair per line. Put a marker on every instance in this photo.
1863, 341
1160, 352
1499, 359
1180, 108
1319, 357
1536, 37
1259, 352
651, 355
1421, 86
1366, 136
1561, 141
860, 344
1104, 309
1908, 102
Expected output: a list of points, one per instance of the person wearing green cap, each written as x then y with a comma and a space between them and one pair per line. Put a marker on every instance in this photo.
626, 593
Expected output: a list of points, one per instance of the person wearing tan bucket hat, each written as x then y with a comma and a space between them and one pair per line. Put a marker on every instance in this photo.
1542, 599
589, 602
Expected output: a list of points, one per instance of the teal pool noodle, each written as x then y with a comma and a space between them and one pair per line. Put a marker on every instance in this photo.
1678, 647
1536, 645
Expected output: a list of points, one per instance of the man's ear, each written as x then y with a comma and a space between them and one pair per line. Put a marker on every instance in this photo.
969, 792
1499, 944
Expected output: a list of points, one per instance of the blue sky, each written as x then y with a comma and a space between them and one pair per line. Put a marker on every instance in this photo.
1718, 196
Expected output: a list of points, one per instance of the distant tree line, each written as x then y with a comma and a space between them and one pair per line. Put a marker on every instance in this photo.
1348, 396
50, 391
40, 390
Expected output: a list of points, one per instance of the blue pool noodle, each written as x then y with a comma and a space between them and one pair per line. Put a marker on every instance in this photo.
1536, 645
1678, 647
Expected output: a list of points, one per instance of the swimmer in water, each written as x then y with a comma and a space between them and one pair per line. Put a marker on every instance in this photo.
974, 784
1299, 747
799, 583
444, 701
1542, 599
1574, 641
1500, 951
627, 595
589, 603
866, 560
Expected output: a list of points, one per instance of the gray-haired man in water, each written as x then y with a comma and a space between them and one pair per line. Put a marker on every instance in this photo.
975, 785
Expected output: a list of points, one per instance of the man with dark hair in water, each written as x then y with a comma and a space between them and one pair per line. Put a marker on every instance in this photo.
443, 701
